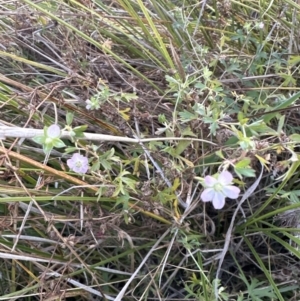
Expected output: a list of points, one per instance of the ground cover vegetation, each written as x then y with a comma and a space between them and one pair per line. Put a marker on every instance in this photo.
149, 150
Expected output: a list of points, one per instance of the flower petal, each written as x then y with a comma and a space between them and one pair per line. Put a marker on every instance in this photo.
82, 169
70, 162
225, 178
218, 200
210, 181
231, 191
53, 131
207, 195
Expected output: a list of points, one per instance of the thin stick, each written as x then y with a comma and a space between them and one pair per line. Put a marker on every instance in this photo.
18, 132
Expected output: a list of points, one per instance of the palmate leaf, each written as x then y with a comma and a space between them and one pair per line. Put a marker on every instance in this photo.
129, 182
242, 168
252, 289
187, 116
257, 289
123, 183
247, 172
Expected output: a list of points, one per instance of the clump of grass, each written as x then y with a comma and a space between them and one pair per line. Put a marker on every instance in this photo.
119, 119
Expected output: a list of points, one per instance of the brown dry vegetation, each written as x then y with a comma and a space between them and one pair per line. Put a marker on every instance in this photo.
66, 236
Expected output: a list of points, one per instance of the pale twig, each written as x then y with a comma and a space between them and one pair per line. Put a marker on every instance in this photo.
80, 285
18, 132
33, 200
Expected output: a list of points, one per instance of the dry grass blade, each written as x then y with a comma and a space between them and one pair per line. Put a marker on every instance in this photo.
162, 105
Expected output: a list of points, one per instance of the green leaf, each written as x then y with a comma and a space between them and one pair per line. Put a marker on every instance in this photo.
129, 182
220, 154
39, 139
126, 97
295, 137
280, 124
78, 131
246, 172
58, 143
96, 166
170, 150
182, 145
261, 127
120, 180
240, 116
123, 200
243, 163
162, 118
213, 127
47, 148
70, 150
200, 109
290, 101
294, 60
200, 85
106, 164
80, 128
288, 79
206, 73
187, 116
69, 118
188, 132
171, 80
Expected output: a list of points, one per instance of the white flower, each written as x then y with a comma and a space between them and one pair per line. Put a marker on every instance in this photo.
93, 103
89, 104
216, 190
261, 25
78, 163
53, 131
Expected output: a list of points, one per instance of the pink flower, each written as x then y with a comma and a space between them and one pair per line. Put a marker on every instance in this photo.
78, 163
216, 190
